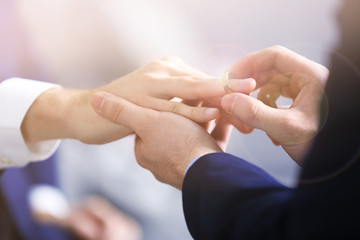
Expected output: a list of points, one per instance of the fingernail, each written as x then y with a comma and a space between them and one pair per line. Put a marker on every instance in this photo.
211, 111
97, 101
227, 102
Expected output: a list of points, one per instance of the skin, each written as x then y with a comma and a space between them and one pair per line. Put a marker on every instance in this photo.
279, 71
65, 113
167, 143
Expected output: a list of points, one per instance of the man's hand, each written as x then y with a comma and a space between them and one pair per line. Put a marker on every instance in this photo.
279, 71
166, 143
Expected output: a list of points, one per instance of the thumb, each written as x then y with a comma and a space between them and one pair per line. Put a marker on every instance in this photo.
253, 112
120, 111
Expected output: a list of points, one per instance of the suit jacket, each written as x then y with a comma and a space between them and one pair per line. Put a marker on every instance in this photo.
15, 213
225, 197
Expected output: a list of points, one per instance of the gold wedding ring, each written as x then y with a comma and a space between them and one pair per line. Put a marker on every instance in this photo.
226, 83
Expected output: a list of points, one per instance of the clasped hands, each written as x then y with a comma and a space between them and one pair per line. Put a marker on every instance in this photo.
168, 138
171, 134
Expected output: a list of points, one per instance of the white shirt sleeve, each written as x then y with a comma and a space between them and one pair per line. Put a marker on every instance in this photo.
16, 97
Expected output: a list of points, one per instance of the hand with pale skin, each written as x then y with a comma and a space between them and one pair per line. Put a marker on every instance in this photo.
64, 113
166, 143
96, 219
279, 71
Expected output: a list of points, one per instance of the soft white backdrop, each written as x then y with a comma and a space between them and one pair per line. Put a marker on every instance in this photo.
85, 43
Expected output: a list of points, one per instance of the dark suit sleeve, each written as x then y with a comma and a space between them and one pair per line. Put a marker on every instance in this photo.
225, 197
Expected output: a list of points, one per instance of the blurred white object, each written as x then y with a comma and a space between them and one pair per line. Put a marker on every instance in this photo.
48, 204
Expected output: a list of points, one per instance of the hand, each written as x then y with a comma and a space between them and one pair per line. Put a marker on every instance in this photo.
221, 127
97, 219
63, 113
166, 143
279, 71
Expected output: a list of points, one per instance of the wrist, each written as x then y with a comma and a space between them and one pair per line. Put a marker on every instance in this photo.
87, 126
196, 156
52, 115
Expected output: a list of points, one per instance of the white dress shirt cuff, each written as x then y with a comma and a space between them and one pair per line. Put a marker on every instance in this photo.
16, 97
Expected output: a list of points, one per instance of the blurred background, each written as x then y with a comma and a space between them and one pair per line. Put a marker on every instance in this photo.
87, 43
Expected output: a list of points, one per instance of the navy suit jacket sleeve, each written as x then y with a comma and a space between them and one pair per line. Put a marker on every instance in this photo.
225, 197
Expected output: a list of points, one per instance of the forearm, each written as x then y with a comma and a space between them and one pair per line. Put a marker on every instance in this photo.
65, 113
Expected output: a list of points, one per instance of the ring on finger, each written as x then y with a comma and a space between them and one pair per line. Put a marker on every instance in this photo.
226, 83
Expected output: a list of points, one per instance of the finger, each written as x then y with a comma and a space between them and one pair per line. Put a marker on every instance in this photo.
100, 209
208, 126
199, 103
193, 103
277, 59
222, 132
273, 140
179, 63
214, 102
287, 92
197, 114
121, 111
255, 63
292, 89
176, 67
253, 112
139, 152
280, 79
239, 125
190, 87
269, 93
171, 68
83, 224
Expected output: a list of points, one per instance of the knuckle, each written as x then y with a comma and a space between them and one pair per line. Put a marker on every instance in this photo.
146, 129
149, 76
116, 113
277, 48
296, 126
138, 99
112, 110
287, 123
254, 112
277, 51
290, 127
193, 113
139, 153
155, 63
141, 162
194, 84
175, 108
170, 58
